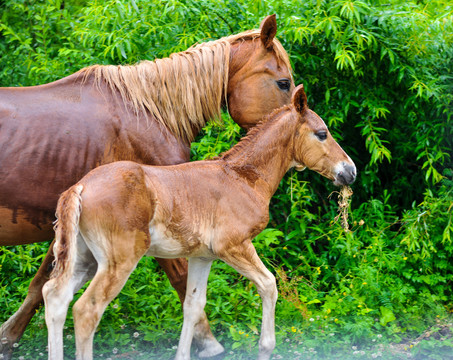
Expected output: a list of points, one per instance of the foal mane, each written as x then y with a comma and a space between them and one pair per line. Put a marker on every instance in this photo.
266, 122
183, 91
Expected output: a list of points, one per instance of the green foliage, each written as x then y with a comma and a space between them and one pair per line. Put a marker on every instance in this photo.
386, 71
380, 74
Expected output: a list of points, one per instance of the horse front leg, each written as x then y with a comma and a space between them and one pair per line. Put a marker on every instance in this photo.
194, 304
12, 330
245, 260
206, 343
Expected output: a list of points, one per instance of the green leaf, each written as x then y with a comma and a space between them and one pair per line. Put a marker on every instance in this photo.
386, 316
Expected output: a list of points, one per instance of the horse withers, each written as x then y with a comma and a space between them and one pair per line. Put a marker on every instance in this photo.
203, 210
52, 135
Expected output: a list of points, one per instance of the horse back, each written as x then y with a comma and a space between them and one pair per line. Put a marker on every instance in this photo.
52, 135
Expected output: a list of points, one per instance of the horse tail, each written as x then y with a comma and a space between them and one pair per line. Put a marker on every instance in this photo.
66, 228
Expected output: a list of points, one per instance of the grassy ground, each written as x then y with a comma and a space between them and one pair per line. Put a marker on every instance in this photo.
144, 322
435, 344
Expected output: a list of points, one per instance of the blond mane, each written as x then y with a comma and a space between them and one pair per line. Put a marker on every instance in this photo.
183, 91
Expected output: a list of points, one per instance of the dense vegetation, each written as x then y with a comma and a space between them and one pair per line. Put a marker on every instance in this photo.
380, 74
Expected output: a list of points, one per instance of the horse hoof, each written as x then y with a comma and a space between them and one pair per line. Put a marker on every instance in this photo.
213, 351
5, 349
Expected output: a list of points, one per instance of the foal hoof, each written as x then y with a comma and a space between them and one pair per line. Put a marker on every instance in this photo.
212, 350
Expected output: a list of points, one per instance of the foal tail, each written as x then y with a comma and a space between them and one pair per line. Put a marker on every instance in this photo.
66, 227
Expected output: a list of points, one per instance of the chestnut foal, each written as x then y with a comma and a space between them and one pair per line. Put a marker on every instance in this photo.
203, 210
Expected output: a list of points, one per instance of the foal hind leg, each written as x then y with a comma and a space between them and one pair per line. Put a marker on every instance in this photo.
12, 330
88, 310
58, 293
117, 256
176, 270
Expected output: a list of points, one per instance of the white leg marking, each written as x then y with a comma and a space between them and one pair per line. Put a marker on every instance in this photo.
194, 303
58, 293
253, 268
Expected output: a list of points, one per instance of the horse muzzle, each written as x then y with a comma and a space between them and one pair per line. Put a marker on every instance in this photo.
346, 174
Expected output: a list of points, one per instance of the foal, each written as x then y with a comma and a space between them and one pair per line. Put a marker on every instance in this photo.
203, 210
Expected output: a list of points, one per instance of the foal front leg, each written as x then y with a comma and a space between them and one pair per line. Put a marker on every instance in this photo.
176, 270
194, 303
245, 260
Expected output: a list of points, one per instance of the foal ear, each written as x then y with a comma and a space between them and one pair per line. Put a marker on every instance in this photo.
299, 99
268, 29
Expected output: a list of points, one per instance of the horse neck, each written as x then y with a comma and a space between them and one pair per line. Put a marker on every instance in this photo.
265, 154
182, 92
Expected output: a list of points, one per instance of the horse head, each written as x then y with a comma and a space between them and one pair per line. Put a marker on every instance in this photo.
260, 77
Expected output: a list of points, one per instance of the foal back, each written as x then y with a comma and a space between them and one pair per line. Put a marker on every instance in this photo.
183, 210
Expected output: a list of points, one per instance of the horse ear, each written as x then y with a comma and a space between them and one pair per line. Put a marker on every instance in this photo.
268, 29
299, 99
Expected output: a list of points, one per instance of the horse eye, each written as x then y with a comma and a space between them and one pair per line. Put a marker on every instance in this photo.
284, 84
321, 135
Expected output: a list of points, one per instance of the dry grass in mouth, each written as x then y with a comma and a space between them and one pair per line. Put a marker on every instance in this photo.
344, 199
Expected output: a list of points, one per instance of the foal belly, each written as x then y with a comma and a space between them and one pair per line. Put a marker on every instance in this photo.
168, 245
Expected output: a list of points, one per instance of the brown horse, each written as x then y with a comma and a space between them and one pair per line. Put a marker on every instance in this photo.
203, 210
52, 135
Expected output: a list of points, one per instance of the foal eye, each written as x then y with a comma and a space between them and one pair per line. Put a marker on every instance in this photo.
321, 135
284, 84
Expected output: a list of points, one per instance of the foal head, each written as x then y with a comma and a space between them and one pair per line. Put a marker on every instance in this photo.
314, 146
259, 78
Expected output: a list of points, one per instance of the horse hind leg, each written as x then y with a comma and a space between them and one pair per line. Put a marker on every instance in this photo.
12, 330
58, 293
204, 340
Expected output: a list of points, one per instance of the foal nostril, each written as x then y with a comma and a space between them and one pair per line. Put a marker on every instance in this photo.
346, 174
351, 173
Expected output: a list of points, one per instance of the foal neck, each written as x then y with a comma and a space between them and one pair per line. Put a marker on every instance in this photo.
264, 155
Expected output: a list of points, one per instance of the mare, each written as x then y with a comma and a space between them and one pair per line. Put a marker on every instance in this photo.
203, 210
53, 134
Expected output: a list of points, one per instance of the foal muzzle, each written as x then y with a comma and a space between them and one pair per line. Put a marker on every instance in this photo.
346, 174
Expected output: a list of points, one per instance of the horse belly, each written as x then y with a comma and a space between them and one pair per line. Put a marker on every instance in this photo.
16, 229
